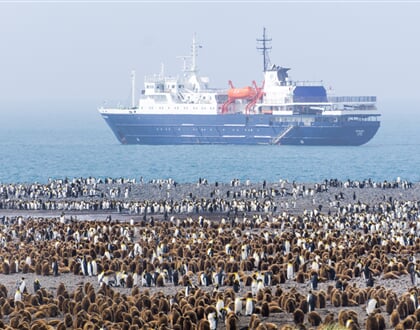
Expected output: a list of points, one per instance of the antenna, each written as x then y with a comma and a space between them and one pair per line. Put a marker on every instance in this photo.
162, 71
184, 62
264, 48
191, 68
133, 88
194, 55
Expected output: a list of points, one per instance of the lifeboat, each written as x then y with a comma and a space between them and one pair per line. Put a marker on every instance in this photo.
242, 93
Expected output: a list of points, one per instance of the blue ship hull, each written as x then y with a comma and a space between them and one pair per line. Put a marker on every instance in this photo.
317, 130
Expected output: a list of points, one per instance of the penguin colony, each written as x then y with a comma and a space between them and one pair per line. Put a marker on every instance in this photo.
163, 198
259, 271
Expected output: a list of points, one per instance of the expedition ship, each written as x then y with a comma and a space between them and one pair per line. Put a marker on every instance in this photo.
185, 110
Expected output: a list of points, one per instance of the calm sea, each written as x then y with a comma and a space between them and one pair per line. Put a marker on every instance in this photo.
57, 141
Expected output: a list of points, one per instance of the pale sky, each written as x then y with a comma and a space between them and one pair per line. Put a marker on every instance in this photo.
57, 52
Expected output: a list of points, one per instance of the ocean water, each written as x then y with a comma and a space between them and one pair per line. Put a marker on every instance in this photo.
58, 141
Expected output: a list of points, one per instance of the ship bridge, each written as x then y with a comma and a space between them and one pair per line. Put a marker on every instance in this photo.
279, 88
309, 94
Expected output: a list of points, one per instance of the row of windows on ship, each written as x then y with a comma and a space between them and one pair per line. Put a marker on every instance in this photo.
204, 129
151, 107
161, 86
187, 99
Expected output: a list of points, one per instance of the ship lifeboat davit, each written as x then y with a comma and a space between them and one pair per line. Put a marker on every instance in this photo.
242, 93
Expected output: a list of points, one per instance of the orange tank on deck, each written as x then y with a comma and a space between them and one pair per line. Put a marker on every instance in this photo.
242, 93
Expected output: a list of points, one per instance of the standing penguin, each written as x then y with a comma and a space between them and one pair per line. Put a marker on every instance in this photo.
54, 266
236, 286
205, 279
94, 267
37, 285
84, 266
148, 277
367, 271
289, 271
371, 305
188, 288
212, 320
414, 298
267, 278
254, 286
22, 285
412, 271
18, 295
260, 285
220, 304
16, 266
370, 281
314, 281
238, 306
311, 299
220, 277
249, 306
175, 277
89, 267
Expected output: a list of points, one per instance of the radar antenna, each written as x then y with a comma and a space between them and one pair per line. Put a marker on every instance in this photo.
264, 47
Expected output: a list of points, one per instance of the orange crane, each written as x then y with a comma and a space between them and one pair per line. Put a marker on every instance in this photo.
258, 95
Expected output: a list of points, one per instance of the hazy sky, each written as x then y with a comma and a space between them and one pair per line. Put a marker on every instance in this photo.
60, 52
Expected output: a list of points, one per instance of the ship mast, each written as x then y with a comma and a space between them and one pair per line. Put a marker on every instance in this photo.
191, 71
192, 67
194, 55
133, 89
264, 48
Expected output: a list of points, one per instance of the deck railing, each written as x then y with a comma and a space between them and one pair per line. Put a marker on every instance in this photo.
351, 99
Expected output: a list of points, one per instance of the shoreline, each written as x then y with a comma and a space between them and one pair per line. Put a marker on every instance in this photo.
165, 198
